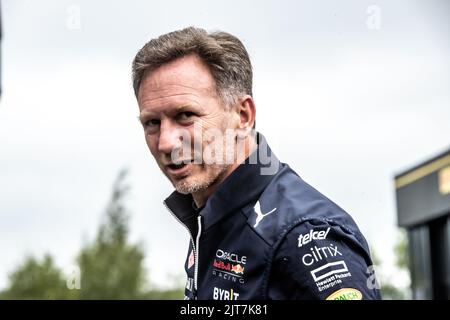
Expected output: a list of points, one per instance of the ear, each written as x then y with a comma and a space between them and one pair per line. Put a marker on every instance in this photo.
247, 112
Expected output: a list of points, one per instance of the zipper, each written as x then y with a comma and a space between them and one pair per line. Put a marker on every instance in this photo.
193, 244
190, 234
199, 219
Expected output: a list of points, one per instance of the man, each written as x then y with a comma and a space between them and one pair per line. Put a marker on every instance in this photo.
258, 231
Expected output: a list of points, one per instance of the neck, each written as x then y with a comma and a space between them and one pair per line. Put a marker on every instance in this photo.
202, 196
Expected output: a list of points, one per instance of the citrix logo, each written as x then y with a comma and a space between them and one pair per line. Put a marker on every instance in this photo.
312, 235
317, 254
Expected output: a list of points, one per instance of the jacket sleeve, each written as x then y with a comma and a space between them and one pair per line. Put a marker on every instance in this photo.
322, 260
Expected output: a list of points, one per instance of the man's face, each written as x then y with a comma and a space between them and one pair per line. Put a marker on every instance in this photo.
174, 99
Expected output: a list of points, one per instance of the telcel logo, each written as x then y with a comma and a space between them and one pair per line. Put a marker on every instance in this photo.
312, 235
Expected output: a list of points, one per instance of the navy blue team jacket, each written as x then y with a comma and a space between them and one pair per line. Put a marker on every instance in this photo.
270, 235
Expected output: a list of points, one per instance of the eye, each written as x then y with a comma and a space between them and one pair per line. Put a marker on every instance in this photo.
151, 124
185, 116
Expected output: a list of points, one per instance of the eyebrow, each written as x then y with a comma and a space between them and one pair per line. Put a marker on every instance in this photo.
141, 117
145, 114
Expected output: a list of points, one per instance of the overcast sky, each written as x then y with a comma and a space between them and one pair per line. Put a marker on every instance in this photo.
348, 93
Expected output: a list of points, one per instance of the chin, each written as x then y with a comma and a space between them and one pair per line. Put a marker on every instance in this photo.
200, 181
186, 187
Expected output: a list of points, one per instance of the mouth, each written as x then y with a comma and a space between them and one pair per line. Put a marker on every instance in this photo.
178, 169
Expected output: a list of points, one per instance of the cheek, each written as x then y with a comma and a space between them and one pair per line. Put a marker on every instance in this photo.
217, 121
152, 144
202, 170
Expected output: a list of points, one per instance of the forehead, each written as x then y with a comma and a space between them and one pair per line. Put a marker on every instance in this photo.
187, 75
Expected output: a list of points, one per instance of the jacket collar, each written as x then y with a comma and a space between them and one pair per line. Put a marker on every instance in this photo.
242, 186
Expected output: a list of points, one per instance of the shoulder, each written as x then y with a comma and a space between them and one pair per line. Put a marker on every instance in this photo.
321, 260
317, 248
288, 202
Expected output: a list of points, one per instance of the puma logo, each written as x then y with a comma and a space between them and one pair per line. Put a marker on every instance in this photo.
259, 214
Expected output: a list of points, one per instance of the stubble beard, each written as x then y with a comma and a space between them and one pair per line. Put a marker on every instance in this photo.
209, 174
204, 181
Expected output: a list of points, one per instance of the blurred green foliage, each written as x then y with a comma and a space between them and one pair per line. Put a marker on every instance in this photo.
109, 267
36, 279
389, 291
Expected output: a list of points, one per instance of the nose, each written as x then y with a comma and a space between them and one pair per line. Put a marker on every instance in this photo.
169, 137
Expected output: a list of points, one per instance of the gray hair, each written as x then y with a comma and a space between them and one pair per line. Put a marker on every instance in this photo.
223, 53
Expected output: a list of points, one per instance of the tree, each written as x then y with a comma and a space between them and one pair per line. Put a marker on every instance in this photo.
388, 290
401, 251
110, 267
36, 279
